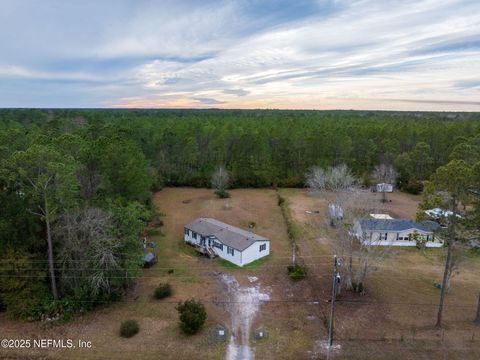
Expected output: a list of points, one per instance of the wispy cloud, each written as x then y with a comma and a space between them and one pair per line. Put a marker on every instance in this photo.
208, 101
404, 54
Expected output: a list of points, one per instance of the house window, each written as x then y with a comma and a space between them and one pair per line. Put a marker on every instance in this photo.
217, 245
186, 231
194, 235
383, 236
230, 250
263, 247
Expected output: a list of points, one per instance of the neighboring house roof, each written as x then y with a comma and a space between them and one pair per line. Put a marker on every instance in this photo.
229, 235
395, 225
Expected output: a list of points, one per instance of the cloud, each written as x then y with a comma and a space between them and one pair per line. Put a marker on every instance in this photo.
208, 101
238, 92
243, 53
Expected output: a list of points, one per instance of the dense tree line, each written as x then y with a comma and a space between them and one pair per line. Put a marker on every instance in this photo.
75, 185
73, 206
260, 148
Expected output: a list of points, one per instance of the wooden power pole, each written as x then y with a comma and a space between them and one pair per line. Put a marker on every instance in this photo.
477, 319
336, 281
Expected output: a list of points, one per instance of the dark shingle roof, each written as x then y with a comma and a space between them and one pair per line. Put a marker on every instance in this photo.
394, 225
229, 235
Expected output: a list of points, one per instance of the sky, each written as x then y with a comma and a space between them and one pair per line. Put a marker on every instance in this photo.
275, 54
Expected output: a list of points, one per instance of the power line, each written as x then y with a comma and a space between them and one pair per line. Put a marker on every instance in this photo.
313, 301
275, 257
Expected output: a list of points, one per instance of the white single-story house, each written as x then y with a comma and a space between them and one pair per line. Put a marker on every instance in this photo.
395, 232
213, 237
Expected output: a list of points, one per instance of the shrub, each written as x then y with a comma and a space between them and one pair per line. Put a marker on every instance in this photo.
421, 243
192, 316
296, 272
413, 187
222, 194
129, 328
162, 291
358, 288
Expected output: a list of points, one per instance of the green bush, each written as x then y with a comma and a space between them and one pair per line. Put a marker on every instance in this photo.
222, 194
413, 187
192, 316
129, 328
296, 272
162, 291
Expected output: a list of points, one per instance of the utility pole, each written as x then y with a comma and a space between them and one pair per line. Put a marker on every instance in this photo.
477, 319
336, 281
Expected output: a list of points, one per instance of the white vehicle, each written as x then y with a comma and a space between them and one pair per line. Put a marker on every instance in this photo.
437, 213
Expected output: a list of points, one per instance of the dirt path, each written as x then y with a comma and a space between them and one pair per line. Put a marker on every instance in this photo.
244, 305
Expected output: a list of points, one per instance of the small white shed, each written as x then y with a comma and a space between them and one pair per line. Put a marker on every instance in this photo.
384, 187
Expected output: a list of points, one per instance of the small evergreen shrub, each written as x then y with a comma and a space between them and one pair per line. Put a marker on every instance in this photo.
296, 272
192, 316
129, 328
162, 291
222, 194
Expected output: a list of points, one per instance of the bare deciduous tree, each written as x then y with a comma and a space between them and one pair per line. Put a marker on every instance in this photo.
385, 173
316, 179
220, 181
87, 249
357, 251
358, 258
337, 179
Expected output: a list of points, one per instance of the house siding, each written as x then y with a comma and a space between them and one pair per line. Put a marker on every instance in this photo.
253, 252
377, 237
188, 237
239, 258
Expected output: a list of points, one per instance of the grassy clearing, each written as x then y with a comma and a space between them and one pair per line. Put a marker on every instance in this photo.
253, 265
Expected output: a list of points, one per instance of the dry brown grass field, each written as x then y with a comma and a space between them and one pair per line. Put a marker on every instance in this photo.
394, 319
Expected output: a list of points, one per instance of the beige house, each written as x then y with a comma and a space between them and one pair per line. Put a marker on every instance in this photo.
395, 232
